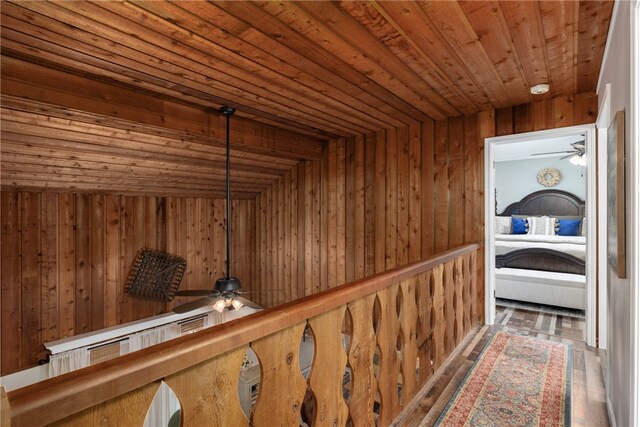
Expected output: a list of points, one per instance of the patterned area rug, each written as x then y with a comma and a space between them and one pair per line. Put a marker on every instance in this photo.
516, 381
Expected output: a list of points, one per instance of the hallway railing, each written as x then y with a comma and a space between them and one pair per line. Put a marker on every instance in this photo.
376, 341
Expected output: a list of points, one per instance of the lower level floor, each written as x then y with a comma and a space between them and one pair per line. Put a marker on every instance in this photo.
588, 404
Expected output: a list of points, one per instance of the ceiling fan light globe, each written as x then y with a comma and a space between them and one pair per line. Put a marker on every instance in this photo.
237, 304
220, 305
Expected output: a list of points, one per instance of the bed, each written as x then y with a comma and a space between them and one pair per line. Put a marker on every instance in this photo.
561, 254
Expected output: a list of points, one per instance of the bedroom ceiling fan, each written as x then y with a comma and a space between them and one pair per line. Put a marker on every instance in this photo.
575, 155
227, 290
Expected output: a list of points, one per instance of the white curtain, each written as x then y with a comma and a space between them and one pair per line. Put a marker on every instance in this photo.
153, 336
215, 318
68, 361
164, 404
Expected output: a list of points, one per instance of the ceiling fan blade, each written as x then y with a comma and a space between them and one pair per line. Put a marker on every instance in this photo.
194, 305
551, 152
258, 292
573, 153
196, 293
248, 303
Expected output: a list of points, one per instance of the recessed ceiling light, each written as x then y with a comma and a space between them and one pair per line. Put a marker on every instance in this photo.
539, 89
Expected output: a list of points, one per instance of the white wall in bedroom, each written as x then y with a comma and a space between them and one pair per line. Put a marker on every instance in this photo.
517, 178
622, 351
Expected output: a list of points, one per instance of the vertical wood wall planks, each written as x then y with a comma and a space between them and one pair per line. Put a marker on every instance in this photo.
83, 264
97, 262
66, 264
30, 294
49, 271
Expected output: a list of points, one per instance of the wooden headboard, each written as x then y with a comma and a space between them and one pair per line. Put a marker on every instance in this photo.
547, 202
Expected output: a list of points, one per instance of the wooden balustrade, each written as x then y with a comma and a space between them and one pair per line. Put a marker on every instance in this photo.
400, 326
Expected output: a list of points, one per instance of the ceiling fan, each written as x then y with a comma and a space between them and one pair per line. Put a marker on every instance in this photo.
227, 290
575, 155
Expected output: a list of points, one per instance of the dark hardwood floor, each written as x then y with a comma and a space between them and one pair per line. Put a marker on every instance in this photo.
588, 406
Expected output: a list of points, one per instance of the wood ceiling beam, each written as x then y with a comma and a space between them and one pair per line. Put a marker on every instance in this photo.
451, 78
525, 26
218, 27
451, 22
351, 39
217, 86
382, 97
22, 79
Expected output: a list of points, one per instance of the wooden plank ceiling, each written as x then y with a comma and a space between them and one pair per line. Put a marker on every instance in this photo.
320, 69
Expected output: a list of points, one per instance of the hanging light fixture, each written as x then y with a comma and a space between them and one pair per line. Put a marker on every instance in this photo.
227, 289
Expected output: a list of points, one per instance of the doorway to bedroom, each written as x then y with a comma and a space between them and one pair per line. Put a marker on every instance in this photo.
539, 269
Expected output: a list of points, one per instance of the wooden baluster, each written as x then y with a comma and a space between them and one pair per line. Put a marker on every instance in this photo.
425, 333
469, 297
129, 409
478, 294
459, 291
450, 320
409, 322
208, 392
282, 386
439, 324
329, 363
389, 363
361, 350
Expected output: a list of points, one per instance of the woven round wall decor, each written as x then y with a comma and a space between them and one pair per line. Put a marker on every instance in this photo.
549, 177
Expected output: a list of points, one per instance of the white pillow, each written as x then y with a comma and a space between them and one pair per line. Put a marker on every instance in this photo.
584, 227
542, 225
503, 225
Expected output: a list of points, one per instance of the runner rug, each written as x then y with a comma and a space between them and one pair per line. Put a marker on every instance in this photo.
516, 381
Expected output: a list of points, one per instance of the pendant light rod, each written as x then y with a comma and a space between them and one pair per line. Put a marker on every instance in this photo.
228, 112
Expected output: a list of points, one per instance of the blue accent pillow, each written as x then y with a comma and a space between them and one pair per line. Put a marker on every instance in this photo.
568, 227
519, 226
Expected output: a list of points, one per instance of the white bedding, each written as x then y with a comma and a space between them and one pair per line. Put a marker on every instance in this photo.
572, 245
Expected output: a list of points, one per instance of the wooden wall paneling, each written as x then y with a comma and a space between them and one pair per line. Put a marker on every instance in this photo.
349, 202
262, 281
318, 227
380, 202
441, 187
387, 338
293, 238
427, 152
49, 270
456, 174
391, 203
272, 267
303, 246
486, 128
66, 263
208, 392
341, 268
83, 296
329, 363
403, 195
369, 204
280, 351
127, 254
472, 192
286, 236
310, 287
112, 260
11, 281
542, 115
150, 223
171, 232
97, 237
523, 118
359, 211
279, 202
562, 111
415, 181
219, 239
408, 324
504, 121
30, 270
332, 210
361, 350
323, 245
585, 107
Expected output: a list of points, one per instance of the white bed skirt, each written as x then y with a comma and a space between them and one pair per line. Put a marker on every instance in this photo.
541, 287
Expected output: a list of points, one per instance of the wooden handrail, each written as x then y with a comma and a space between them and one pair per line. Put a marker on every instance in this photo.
61, 396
